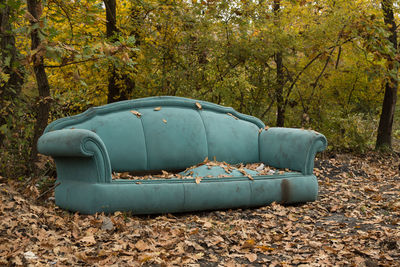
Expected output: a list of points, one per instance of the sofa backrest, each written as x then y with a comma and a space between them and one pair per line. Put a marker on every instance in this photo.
168, 133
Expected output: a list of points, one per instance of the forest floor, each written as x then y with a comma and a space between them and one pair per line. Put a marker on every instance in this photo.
354, 222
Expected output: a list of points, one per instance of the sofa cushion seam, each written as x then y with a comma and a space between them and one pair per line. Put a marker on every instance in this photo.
205, 131
145, 145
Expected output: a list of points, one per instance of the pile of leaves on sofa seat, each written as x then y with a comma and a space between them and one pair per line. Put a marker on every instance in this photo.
259, 167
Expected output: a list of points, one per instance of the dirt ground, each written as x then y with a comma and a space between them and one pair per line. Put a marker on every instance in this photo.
354, 222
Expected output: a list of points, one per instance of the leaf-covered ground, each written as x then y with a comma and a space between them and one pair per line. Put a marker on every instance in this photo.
355, 222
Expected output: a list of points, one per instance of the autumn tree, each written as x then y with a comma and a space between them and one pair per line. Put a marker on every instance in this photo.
280, 113
35, 10
119, 84
384, 137
11, 70
111, 33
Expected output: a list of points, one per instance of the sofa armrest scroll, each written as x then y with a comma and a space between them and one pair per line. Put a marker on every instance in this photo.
79, 154
290, 148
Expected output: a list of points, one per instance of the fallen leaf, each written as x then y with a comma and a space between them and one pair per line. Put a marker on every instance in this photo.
141, 245
137, 113
29, 255
249, 243
18, 261
107, 224
315, 244
164, 120
231, 263
265, 248
89, 240
145, 258
198, 179
292, 217
207, 225
194, 245
198, 105
157, 108
251, 257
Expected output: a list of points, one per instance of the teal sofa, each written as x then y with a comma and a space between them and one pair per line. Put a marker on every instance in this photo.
173, 133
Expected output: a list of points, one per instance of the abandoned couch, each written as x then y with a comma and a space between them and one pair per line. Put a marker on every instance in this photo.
173, 133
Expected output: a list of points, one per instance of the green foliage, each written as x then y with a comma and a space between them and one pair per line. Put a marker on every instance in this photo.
354, 132
17, 134
335, 57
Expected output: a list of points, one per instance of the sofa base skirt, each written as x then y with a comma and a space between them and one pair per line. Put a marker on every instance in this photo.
184, 195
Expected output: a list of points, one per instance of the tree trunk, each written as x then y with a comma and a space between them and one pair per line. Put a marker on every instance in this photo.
43, 109
116, 92
384, 138
8, 59
111, 31
280, 105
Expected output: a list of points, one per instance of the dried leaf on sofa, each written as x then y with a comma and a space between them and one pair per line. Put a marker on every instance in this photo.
261, 167
250, 177
242, 171
233, 116
226, 169
166, 174
198, 105
157, 108
198, 179
164, 120
137, 113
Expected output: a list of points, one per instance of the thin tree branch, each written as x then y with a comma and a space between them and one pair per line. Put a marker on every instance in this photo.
338, 57
320, 74
73, 62
308, 65
60, 5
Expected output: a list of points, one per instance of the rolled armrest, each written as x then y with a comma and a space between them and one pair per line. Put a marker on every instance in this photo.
294, 149
79, 154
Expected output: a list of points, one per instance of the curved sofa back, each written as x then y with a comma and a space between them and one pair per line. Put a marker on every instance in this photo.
168, 133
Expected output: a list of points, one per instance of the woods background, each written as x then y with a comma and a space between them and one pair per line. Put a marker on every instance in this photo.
329, 65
